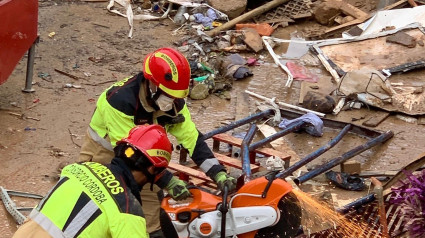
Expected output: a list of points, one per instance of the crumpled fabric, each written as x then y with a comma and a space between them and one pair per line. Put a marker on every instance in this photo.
207, 19
204, 20
211, 14
346, 181
236, 67
314, 126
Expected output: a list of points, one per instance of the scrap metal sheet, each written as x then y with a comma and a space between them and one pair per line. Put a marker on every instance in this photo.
374, 53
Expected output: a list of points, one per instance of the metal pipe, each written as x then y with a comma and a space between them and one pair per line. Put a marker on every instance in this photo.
224, 209
30, 69
246, 163
238, 123
357, 203
291, 128
333, 124
338, 160
315, 154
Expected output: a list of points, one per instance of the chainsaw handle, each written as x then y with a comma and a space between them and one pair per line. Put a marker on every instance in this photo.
270, 177
223, 209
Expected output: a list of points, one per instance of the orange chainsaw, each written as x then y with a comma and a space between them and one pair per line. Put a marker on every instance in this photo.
262, 207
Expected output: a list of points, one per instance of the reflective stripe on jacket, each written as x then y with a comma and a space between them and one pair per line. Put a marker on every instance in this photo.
92, 200
119, 109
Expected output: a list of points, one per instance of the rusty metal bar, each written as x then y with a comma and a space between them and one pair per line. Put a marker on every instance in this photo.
246, 162
378, 189
357, 203
315, 154
239, 123
291, 128
338, 160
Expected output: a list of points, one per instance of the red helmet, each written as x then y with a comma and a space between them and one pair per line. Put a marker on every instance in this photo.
169, 70
152, 141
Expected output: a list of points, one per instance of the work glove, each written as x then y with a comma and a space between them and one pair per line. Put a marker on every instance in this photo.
222, 179
177, 189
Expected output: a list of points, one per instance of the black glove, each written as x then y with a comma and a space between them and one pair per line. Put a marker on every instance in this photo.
177, 189
222, 179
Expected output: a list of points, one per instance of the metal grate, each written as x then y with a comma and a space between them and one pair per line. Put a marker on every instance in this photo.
287, 12
369, 214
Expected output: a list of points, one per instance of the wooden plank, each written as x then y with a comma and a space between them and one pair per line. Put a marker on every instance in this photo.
189, 171
197, 182
376, 119
352, 10
283, 154
350, 23
394, 5
232, 162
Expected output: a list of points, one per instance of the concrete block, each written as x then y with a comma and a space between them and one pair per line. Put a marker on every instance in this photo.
351, 167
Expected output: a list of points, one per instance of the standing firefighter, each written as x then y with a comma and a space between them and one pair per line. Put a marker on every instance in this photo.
155, 96
96, 200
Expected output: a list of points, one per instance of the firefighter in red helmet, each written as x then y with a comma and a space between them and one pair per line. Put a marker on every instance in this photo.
96, 200
155, 96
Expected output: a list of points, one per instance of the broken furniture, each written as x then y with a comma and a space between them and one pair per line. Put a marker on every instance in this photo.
249, 150
18, 34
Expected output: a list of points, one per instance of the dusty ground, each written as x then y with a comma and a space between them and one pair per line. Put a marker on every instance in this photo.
30, 158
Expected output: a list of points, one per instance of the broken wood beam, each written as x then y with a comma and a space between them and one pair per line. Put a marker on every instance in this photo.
364, 18
394, 5
190, 171
351, 10
253, 13
376, 119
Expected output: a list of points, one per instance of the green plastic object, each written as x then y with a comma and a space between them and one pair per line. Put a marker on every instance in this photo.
201, 78
206, 68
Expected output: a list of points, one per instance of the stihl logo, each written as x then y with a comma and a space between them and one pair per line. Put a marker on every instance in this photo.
205, 228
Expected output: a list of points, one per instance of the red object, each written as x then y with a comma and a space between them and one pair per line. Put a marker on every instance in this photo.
263, 29
301, 73
169, 70
18, 31
153, 142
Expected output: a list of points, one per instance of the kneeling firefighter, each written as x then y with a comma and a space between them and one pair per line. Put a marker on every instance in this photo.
96, 200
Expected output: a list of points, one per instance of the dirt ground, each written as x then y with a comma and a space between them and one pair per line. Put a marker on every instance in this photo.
92, 44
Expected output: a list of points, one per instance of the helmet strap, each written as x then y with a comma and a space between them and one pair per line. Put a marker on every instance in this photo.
143, 167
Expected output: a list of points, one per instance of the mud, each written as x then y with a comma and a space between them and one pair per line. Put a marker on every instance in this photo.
92, 44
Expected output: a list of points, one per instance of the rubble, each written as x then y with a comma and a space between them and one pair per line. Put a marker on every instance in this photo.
402, 38
232, 9
377, 63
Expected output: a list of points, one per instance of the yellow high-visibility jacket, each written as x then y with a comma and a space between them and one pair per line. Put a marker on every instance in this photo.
119, 109
93, 200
